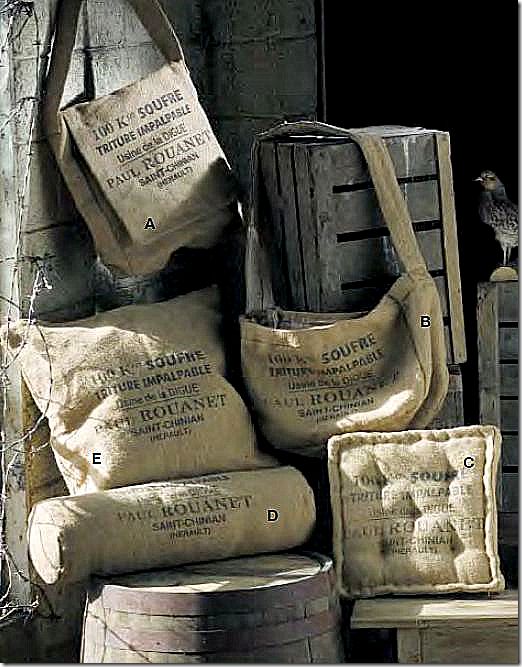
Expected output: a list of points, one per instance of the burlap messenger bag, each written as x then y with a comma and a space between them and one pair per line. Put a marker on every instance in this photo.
138, 394
313, 375
415, 511
170, 523
142, 163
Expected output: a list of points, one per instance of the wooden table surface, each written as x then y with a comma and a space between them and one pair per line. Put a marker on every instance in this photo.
446, 630
407, 611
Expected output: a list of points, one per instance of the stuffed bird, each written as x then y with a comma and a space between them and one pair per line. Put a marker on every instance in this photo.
497, 211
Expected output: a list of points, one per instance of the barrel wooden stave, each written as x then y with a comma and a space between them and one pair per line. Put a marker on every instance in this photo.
302, 628
326, 649
277, 615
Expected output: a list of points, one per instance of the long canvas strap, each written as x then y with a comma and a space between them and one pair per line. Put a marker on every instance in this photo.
151, 15
391, 200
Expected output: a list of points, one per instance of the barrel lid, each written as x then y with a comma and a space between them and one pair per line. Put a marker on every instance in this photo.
238, 583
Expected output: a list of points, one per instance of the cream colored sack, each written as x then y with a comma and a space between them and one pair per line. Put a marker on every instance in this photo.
170, 523
138, 394
310, 376
415, 512
142, 164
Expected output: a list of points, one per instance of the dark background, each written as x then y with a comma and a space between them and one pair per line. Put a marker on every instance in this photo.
442, 66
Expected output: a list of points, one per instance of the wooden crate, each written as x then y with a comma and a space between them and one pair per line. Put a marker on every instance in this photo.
444, 630
331, 247
497, 313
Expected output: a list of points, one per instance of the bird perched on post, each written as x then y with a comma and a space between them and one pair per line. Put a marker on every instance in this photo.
497, 211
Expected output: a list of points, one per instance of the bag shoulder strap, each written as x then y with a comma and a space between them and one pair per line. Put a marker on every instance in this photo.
382, 172
151, 15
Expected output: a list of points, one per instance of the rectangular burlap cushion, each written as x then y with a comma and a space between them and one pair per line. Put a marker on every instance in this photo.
170, 523
415, 511
138, 394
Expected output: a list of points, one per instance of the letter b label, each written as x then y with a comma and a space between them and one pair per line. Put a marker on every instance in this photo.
425, 321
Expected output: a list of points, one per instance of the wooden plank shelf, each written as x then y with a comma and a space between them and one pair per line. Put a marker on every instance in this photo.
449, 630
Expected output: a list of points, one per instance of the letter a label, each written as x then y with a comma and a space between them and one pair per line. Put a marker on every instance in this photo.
150, 224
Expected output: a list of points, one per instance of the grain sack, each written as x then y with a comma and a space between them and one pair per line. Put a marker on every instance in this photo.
310, 376
170, 523
142, 163
138, 394
415, 512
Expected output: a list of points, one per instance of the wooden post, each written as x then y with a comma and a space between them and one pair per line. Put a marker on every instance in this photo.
497, 314
489, 369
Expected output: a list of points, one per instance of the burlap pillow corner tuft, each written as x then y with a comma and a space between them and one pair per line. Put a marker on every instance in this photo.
415, 511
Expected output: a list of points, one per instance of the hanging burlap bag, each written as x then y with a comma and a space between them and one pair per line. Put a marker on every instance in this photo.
415, 511
170, 523
137, 394
142, 163
313, 375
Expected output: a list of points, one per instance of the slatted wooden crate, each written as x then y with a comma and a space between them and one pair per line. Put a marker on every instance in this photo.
497, 312
331, 244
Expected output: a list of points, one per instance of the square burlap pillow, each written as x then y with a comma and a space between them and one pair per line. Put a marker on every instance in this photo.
415, 511
137, 394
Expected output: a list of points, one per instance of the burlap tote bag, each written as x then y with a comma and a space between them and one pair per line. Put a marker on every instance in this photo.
137, 394
310, 376
142, 163
415, 511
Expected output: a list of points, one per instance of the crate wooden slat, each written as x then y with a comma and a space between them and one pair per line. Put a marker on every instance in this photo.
332, 250
497, 314
452, 411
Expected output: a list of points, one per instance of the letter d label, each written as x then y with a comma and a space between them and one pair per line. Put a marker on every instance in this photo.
272, 515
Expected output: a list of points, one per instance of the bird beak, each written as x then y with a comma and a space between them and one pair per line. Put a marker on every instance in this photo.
480, 179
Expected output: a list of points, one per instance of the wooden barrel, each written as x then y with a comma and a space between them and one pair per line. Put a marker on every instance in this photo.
278, 608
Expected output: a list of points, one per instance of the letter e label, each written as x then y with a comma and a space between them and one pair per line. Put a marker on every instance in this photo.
96, 457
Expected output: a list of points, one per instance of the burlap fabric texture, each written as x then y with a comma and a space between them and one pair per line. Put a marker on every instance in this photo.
170, 523
142, 163
138, 394
415, 511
